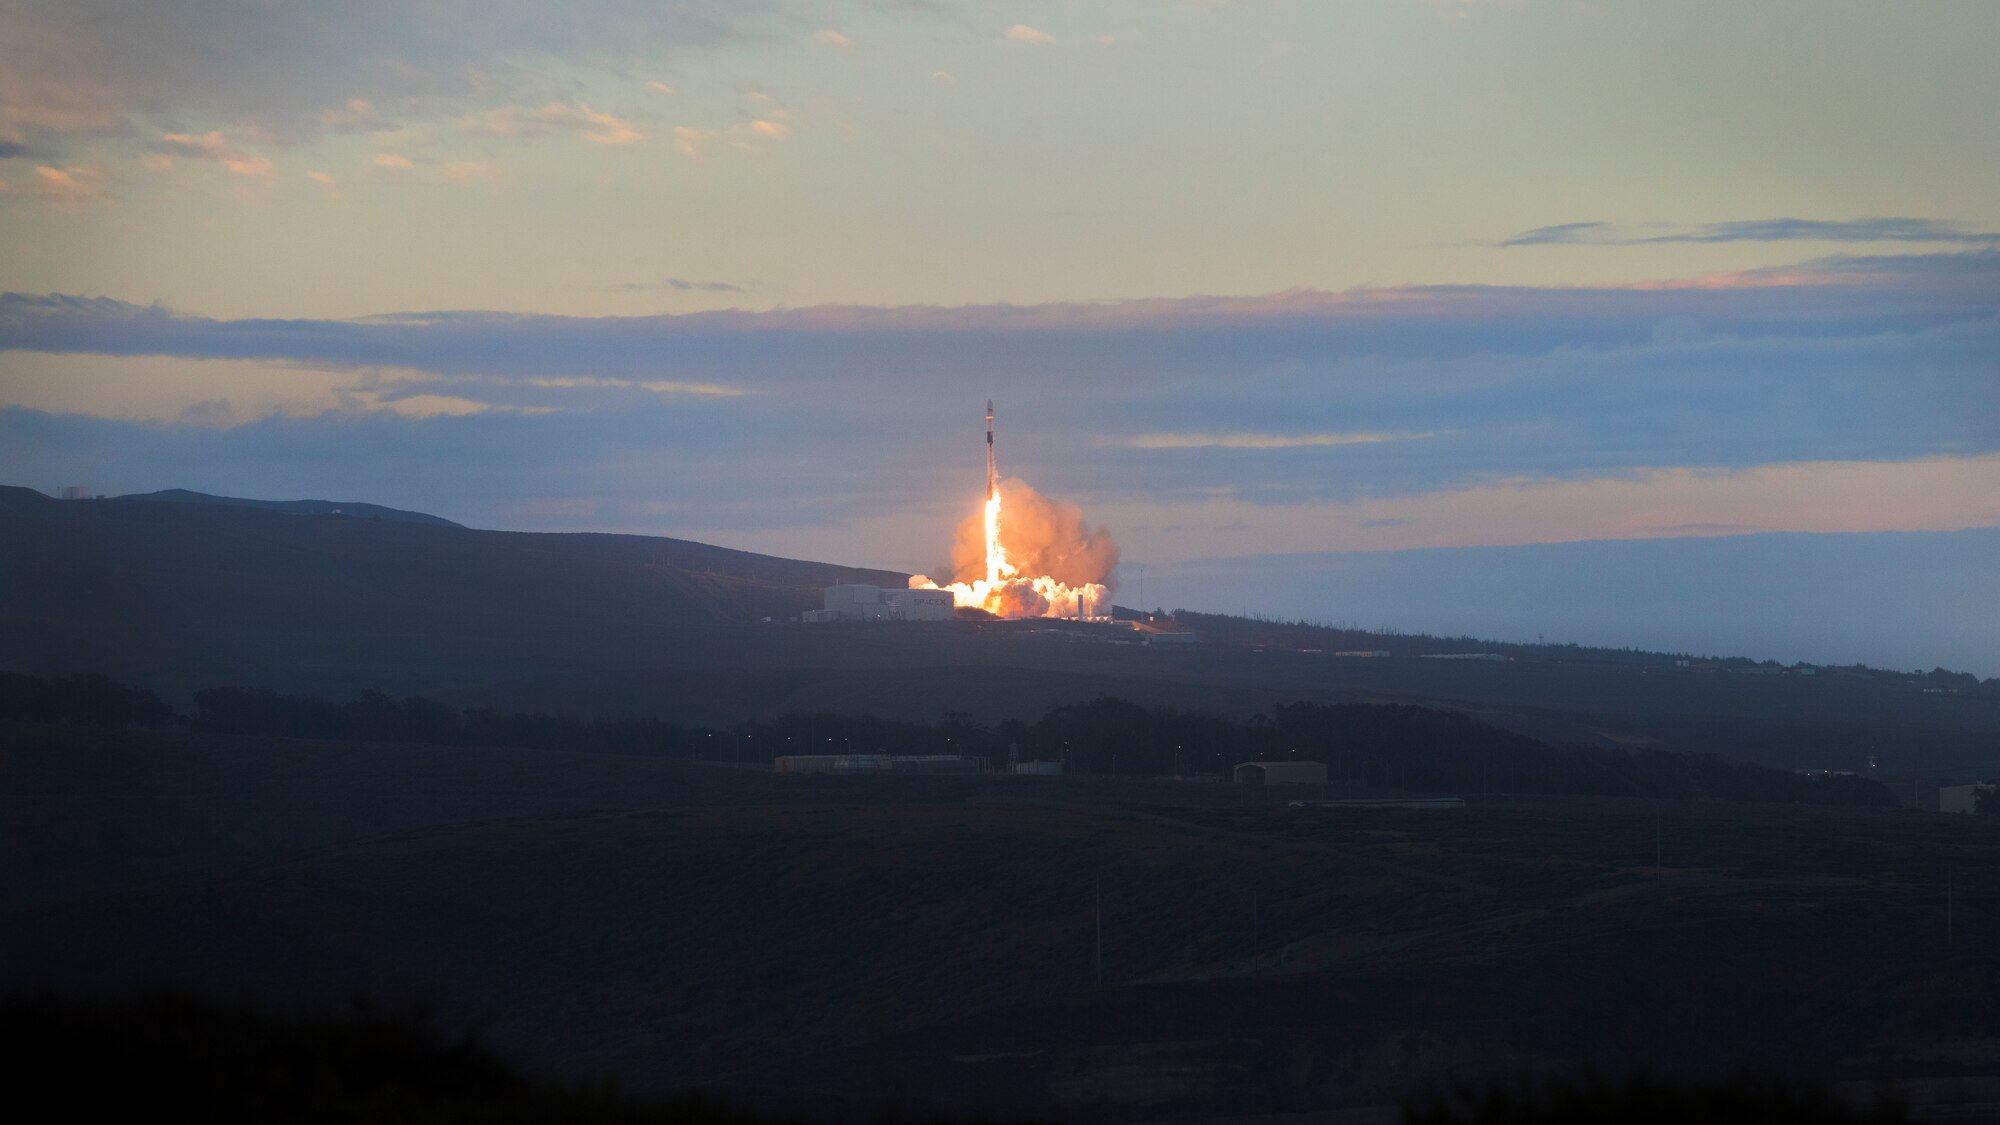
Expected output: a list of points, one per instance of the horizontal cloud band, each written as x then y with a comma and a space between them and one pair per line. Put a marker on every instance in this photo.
1758, 230
1833, 298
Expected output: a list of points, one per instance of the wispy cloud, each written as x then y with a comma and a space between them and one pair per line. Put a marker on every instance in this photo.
101, 66
211, 146
827, 37
651, 386
1258, 441
354, 114
695, 140
1757, 230
681, 283
751, 136
520, 121
65, 190
472, 172
1030, 36
393, 160
1921, 494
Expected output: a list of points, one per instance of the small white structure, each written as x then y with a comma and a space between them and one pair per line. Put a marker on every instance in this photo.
1281, 773
1961, 798
1384, 803
1038, 769
873, 603
830, 763
877, 763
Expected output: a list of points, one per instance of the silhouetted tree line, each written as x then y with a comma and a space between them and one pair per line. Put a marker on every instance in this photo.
95, 700
90, 699
1650, 1101
1410, 748
170, 1057
1403, 747
374, 717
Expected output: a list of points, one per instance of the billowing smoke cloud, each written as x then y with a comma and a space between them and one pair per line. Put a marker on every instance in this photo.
1043, 537
1025, 555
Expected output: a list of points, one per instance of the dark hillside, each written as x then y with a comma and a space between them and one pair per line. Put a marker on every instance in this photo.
351, 509
135, 585
180, 597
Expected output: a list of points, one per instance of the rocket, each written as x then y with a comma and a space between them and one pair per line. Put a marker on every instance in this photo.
992, 473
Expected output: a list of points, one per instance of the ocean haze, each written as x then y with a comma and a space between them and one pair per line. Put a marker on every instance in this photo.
1892, 599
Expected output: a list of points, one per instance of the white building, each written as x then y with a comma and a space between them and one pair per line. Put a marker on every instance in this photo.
1961, 798
877, 763
873, 603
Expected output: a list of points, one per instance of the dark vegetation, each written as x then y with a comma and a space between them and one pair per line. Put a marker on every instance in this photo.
1389, 746
168, 1056
795, 943
171, 1057
1643, 1101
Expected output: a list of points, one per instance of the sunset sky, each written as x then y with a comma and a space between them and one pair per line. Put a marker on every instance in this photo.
1261, 286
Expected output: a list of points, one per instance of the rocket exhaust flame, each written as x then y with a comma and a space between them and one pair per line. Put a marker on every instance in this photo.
1025, 555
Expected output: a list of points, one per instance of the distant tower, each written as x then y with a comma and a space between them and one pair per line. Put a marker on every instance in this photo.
992, 473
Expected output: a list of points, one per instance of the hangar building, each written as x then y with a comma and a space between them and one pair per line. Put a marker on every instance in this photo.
873, 603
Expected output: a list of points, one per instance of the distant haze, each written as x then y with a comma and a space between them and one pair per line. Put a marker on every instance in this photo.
1903, 601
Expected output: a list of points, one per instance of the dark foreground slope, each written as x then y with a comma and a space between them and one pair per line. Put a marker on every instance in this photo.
180, 597
801, 943
172, 1057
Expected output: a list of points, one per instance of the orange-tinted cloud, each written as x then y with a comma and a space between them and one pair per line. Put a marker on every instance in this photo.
1924, 494
66, 190
212, 147
592, 125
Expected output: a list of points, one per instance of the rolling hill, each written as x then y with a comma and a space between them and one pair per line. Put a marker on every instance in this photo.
182, 596
350, 509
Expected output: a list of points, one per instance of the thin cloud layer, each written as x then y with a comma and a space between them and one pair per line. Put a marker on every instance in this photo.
592, 125
212, 147
1757, 230
81, 67
1837, 299
1256, 441
1289, 402
680, 283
